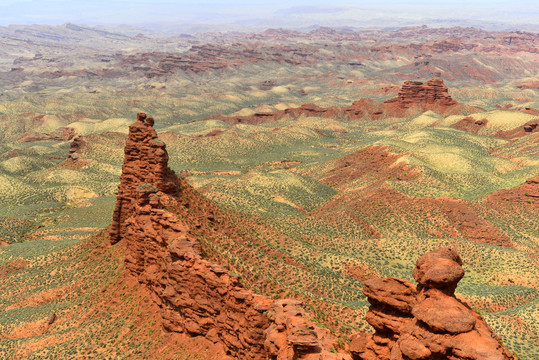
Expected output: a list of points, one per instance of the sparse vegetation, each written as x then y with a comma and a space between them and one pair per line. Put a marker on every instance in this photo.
307, 229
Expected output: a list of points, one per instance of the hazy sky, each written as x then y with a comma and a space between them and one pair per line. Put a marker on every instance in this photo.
139, 12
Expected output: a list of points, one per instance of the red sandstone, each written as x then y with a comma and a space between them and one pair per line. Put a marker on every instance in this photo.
427, 321
197, 297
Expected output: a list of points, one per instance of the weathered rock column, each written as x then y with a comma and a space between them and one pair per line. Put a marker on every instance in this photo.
145, 161
195, 296
428, 322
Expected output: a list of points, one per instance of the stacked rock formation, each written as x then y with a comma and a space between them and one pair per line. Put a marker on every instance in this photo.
77, 147
427, 322
415, 92
196, 296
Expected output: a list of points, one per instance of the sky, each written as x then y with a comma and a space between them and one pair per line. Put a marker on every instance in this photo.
279, 12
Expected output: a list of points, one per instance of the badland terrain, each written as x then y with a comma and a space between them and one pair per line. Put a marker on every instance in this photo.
275, 195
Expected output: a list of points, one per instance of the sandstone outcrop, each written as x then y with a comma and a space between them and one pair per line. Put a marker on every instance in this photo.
415, 92
77, 148
427, 321
145, 161
416, 97
201, 298
60, 134
198, 297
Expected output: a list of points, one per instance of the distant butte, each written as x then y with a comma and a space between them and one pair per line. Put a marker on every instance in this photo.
413, 98
432, 94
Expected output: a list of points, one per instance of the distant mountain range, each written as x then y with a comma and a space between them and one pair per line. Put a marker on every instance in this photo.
177, 17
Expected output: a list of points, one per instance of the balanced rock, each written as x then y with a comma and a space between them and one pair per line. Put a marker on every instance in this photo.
428, 322
440, 269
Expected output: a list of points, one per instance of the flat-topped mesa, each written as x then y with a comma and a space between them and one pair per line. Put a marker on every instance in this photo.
434, 92
427, 321
146, 162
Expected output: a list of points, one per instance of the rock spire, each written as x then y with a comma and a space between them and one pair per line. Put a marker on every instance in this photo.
145, 162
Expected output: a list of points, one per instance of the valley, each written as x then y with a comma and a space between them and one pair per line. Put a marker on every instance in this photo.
314, 161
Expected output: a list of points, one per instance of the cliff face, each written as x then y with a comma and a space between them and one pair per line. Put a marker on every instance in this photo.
427, 321
198, 297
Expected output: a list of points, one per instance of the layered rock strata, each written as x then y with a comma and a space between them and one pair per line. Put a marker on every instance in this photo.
434, 92
196, 296
427, 321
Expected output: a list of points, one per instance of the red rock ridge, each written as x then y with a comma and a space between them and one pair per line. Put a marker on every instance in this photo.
196, 296
427, 321
201, 298
413, 98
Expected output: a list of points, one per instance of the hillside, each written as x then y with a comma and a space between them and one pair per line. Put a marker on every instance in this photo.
309, 163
